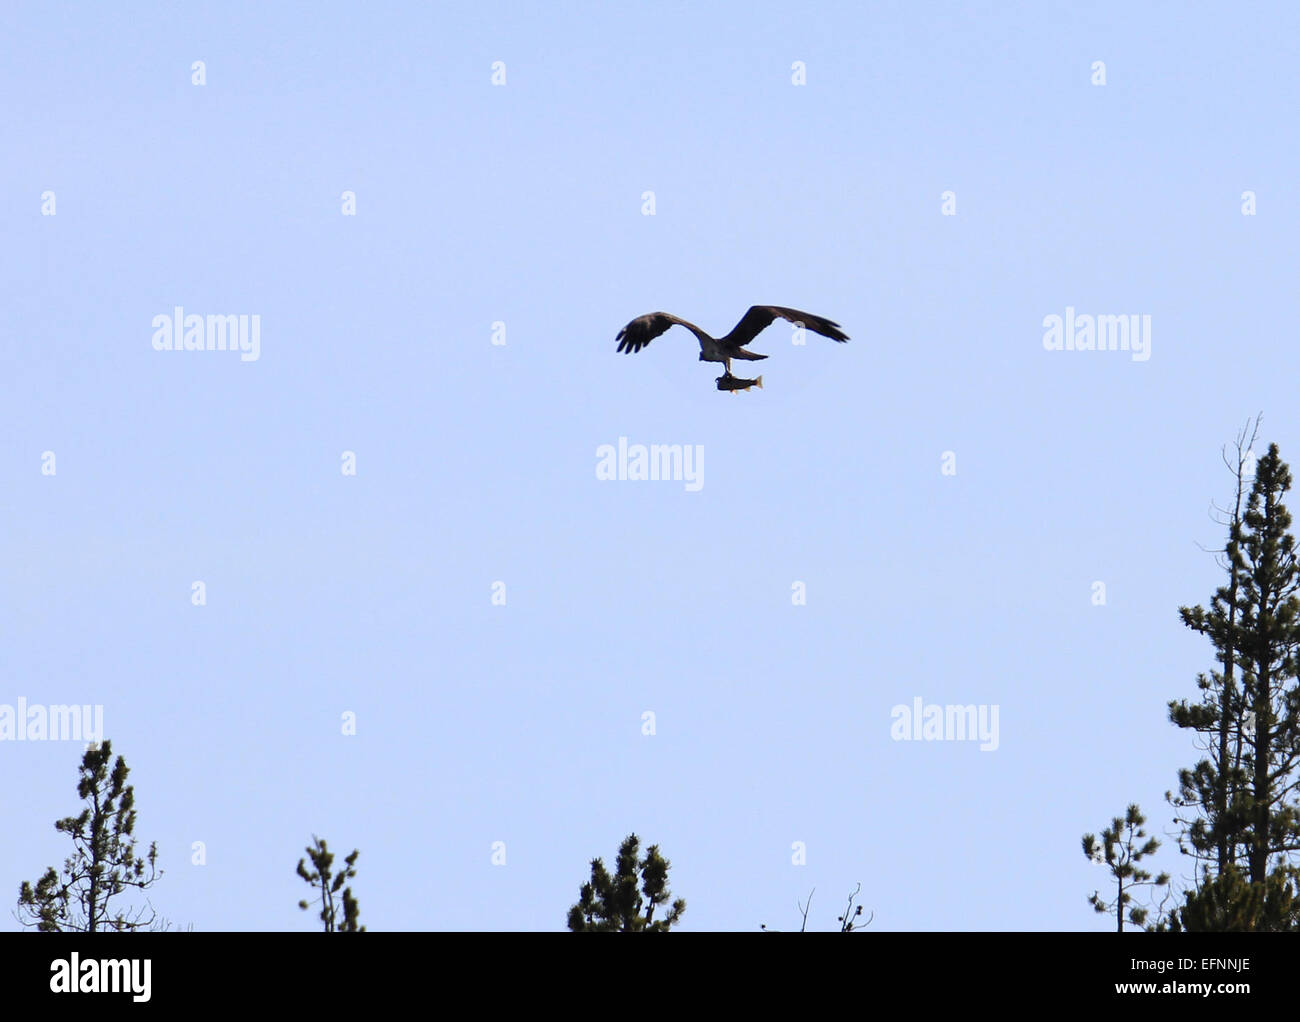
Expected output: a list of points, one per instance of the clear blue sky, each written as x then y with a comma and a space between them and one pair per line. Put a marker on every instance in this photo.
522, 204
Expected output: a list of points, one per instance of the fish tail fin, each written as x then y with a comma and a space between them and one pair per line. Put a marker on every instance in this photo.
759, 383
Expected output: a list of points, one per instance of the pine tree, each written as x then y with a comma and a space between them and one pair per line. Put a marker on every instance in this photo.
1229, 903
1270, 626
614, 904
103, 864
1121, 849
322, 876
1246, 825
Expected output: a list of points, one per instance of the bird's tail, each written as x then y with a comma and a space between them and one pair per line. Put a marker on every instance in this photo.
748, 356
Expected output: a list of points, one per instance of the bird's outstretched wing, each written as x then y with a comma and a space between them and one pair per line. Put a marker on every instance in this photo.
760, 316
644, 329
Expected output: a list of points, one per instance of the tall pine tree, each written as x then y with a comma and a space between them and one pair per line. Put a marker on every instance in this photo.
1244, 795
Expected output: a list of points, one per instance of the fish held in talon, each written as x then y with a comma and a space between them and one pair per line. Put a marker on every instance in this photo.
735, 384
644, 329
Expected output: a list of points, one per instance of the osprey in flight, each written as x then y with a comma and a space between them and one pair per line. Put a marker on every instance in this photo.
644, 329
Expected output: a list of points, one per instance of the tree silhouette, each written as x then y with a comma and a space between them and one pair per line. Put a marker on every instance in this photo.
1120, 850
103, 864
614, 904
322, 876
1245, 827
